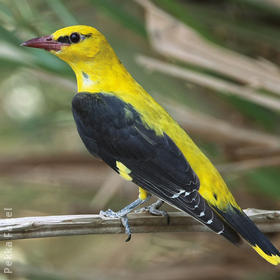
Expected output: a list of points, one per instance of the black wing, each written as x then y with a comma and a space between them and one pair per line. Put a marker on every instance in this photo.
113, 130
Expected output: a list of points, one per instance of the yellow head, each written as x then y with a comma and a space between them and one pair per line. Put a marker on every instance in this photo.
82, 43
73, 43
87, 51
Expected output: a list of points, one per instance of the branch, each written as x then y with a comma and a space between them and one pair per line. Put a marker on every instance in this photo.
220, 131
51, 226
214, 83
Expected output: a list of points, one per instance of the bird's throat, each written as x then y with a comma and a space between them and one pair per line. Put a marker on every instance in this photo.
106, 75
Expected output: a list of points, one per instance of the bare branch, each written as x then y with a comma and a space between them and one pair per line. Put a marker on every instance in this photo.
218, 130
245, 165
213, 83
51, 226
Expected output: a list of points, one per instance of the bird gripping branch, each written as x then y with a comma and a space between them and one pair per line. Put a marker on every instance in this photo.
119, 122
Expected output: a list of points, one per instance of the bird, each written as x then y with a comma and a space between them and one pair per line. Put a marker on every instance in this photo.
120, 123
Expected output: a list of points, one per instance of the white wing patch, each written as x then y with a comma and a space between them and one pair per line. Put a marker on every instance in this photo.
181, 192
178, 194
202, 214
210, 221
221, 231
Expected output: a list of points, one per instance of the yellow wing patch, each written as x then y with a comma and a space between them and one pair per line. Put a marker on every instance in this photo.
273, 259
123, 171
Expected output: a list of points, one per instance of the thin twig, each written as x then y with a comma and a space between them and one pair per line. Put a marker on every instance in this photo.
51, 226
244, 166
218, 130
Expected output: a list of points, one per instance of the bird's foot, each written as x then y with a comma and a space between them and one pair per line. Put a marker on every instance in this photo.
153, 209
122, 214
118, 215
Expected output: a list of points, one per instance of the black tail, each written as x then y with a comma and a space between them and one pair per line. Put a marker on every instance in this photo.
240, 222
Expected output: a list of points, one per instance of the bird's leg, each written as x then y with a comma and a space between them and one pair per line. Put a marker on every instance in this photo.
122, 214
153, 209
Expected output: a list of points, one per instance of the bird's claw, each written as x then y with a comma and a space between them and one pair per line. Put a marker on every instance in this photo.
153, 210
109, 214
124, 220
125, 224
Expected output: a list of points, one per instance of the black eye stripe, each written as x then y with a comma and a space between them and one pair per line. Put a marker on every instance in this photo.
70, 40
87, 35
64, 39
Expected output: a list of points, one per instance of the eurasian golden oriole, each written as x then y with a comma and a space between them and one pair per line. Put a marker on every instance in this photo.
119, 122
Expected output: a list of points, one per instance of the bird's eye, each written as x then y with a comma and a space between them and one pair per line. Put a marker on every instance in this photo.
75, 37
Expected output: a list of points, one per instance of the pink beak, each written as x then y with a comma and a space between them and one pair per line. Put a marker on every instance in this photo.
45, 42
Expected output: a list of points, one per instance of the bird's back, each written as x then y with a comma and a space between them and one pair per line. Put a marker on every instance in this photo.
212, 185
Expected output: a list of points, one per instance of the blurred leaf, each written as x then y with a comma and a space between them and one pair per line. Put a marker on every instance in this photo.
62, 12
265, 181
117, 11
5, 13
25, 9
263, 6
9, 36
258, 114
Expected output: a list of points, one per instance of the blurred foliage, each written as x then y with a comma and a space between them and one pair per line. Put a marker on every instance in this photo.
36, 120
